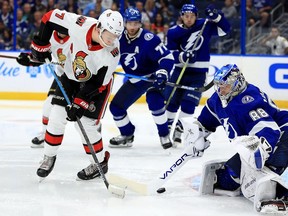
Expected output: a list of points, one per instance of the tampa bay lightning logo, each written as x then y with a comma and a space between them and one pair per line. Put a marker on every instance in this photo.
247, 99
191, 40
148, 36
130, 60
229, 129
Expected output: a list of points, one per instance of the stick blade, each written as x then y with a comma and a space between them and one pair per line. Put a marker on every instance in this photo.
129, 184
117, 191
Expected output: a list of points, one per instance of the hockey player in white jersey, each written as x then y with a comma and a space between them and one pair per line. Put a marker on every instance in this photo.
57, 41
258, 130
92, 55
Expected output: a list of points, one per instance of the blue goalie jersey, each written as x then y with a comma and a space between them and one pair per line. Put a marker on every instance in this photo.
249, 113
144, 54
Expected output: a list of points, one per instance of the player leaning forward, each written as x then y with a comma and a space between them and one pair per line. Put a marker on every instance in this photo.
92, 55
259, 132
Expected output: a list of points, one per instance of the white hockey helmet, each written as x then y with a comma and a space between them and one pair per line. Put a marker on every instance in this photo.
111, 21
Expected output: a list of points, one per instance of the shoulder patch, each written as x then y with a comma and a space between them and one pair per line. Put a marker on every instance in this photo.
115, 52
247, 99
148, 36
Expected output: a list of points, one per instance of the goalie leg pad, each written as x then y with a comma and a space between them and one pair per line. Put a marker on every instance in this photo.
209, 177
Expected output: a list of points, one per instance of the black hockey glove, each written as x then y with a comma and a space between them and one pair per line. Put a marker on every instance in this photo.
76, 109
212, 13
25, 60
40, 51
187, 55
161, 79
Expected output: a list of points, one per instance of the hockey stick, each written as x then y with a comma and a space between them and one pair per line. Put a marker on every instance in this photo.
201, 89
186, 63
15, 57
119, 192
151, 188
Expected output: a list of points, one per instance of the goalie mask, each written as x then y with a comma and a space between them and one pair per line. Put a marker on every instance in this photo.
112, 21
228, 82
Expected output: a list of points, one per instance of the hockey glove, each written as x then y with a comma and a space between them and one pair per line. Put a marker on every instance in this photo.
40, 51
253, 150
161, 79
212, 13
25, 60
187, 55
76, 109
195, 136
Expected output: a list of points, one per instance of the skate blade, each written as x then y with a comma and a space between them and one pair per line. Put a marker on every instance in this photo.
37, 145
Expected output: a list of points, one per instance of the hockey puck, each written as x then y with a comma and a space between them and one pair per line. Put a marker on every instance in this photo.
161, 190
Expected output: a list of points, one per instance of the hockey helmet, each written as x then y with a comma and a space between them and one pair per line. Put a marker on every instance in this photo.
189, 8
229, 75
132, 14
111, 21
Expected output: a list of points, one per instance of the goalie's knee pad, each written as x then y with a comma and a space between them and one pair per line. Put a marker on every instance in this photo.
209, 177
218, 178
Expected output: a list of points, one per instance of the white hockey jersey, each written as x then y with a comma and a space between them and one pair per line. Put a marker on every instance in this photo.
57, 45
83, 58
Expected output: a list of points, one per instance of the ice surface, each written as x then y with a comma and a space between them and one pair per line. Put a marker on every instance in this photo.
60, 194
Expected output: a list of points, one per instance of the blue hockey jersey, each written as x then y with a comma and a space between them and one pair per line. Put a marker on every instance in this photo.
182, 39
249, 113
144, 54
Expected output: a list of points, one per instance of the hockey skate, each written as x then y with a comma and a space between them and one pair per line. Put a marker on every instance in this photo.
272, 206
92, 171
177, 136
38, 141
46, 166
166, 142
121, 141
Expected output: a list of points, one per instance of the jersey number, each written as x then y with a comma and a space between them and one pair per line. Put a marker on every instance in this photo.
60, 16
258, 114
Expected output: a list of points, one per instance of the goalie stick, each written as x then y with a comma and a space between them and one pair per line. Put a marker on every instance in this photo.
117, 191
151, 188
200, 89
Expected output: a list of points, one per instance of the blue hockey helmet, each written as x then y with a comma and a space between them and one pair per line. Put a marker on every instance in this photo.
132, 14
189, 8
229, 76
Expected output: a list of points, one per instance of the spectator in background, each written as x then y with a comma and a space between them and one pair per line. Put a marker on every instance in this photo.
264, 8
97, 6
39, 6
150, 9
6, 15
277, 43
252, 15
22, 30
27, 13
229, 10
145, 18
71, 6
163, 35
6, 40
158, 25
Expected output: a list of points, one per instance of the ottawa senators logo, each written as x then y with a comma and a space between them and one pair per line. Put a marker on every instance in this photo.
81, 72
61, 57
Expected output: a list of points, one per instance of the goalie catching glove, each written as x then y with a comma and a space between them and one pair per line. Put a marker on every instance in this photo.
253, 150
195, 136
76, 109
